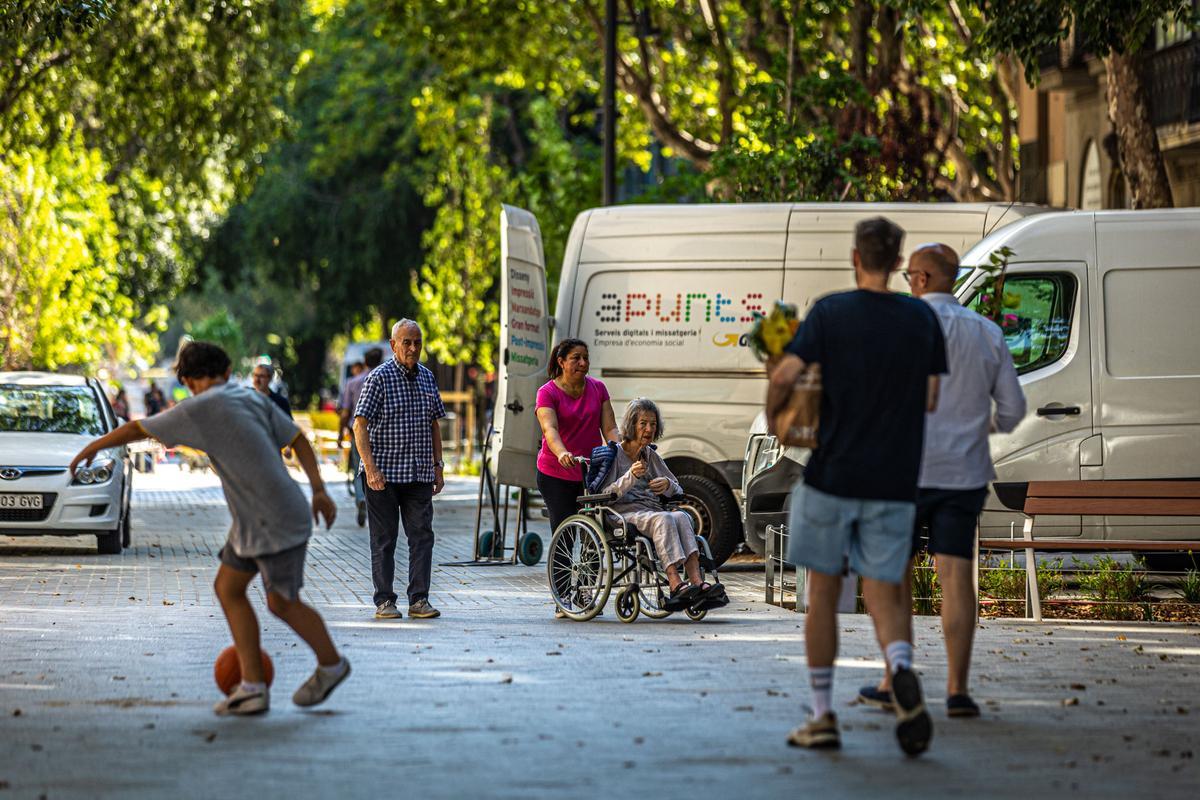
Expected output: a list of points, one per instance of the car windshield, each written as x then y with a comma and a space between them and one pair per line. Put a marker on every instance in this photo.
49, 409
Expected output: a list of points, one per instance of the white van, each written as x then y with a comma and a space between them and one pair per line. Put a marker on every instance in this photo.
664, 296
1104, 329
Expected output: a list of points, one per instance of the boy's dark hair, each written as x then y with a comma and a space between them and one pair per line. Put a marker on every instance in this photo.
562, 350
878, 242
201, 360
373, 357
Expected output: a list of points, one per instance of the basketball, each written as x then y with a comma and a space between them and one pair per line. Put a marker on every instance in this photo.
228, 671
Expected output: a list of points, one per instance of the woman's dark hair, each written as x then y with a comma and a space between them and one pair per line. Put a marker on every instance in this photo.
201, 360
562, 350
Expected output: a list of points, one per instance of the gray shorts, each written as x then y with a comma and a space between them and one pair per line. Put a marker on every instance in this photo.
282, 572
875, 535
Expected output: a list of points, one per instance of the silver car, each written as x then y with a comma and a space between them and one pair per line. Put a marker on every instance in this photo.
45, 419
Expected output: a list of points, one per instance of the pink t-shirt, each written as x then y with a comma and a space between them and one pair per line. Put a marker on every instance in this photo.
578, 425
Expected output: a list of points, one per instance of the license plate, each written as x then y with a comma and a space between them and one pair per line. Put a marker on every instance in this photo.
33, 501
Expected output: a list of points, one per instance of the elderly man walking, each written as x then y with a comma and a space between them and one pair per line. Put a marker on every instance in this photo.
396, 430
956, 465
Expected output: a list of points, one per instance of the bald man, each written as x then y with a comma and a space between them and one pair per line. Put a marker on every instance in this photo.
956, 464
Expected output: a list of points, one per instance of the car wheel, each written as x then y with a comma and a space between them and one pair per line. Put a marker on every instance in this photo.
109, 542
717, 512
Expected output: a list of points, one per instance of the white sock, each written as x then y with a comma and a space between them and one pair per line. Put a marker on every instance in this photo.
247, 686
899, 655
333, 670
820, 681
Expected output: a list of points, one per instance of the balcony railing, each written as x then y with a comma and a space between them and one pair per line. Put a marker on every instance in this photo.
1173, 75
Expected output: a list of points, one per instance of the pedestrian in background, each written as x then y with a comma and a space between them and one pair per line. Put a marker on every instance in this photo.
398, 438
154, 399
956, 464
120, 404
262, 377
880, 354
349, 400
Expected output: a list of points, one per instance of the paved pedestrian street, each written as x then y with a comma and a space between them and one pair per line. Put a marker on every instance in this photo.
106, 687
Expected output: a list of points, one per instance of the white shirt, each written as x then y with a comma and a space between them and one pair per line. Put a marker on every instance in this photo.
956, 454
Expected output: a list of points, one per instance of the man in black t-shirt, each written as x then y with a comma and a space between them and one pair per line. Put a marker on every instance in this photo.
880, 355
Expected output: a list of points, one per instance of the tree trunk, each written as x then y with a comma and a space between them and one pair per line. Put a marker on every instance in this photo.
1137, 141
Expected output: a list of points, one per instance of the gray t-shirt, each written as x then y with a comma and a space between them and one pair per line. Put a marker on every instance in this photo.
242, 432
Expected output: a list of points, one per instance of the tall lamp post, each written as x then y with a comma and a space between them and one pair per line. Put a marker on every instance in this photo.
610, 102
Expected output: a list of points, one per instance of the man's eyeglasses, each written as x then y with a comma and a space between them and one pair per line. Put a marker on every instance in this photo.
909, 274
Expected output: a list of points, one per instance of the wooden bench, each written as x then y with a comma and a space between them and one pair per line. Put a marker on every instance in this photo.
1098, 498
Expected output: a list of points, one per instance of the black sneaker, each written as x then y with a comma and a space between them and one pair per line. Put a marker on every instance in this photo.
915, 728
961, 705
876, 698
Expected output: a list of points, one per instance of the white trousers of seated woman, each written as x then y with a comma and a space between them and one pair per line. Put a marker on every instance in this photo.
671, 532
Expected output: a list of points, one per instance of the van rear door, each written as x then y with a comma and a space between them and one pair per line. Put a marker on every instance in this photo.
524, 349
1046, 327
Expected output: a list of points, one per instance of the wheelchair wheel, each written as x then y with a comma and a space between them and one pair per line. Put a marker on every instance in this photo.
579, 568
651, 598
696, 616
627, 604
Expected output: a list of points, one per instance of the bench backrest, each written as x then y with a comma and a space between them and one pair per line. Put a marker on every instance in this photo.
1114, 498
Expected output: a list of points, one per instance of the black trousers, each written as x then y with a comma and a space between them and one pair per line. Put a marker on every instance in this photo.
412, 504
560, 497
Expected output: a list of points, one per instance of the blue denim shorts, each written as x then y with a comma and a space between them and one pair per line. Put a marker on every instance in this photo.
824, 530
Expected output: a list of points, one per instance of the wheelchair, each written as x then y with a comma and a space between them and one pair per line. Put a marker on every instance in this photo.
595, 552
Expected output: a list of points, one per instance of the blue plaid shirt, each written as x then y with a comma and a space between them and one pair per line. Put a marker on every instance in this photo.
400, 407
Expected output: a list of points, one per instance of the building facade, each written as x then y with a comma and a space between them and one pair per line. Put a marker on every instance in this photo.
1068, 148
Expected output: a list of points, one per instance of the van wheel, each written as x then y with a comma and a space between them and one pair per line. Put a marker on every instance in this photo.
716, 514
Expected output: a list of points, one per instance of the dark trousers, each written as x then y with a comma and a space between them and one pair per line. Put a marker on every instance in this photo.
412, 504
560, 497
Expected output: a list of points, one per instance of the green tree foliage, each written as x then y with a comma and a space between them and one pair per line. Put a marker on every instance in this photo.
456, 286
60, 302
335, 222
171, 103
730, 86
1115, 31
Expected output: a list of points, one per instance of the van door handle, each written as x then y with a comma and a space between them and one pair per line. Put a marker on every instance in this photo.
1058, 411
515, 406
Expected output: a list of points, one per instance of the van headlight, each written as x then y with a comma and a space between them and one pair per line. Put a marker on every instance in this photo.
99, 471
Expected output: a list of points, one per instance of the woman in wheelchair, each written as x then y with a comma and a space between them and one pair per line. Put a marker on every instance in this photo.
642, 482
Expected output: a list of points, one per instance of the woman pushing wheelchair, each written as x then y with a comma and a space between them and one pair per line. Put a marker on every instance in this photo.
643, 482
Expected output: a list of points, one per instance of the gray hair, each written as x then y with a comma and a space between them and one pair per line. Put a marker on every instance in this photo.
629, 421
404, 323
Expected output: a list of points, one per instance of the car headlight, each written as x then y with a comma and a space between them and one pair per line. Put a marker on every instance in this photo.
767, 455
99, 471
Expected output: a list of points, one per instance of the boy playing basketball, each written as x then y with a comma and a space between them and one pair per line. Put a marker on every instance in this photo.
242, 432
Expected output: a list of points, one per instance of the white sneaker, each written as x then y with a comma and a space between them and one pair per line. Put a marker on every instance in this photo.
321, 684
243, 703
